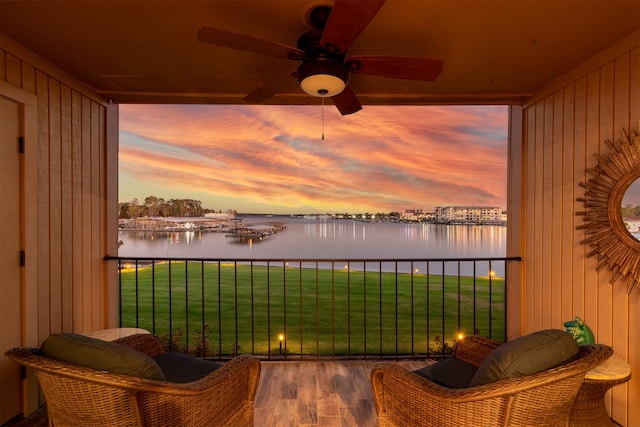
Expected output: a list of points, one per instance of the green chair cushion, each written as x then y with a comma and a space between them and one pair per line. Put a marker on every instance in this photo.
527, 355
450, 372
101, 355
182, 368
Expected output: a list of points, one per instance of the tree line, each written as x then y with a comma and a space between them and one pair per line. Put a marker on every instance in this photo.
158, 207
629, 211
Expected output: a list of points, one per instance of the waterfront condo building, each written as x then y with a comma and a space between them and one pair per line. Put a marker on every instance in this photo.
469, 214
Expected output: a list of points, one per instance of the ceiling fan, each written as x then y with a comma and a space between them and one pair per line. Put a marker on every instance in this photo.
325, 67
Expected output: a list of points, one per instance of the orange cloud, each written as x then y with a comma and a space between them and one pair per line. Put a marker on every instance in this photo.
272, 159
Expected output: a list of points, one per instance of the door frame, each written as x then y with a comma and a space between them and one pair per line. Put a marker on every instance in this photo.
29, 130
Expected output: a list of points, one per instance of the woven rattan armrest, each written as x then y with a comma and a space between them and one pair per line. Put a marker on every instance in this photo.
246, 367
403, 398
474, 349
226, 394
148, 344
78, 395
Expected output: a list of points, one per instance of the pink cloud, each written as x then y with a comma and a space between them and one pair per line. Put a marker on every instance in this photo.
272, 157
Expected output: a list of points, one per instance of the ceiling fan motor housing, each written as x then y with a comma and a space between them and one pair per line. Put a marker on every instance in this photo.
322, 77
333, 27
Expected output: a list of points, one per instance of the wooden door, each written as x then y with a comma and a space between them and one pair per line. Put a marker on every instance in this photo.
10, 258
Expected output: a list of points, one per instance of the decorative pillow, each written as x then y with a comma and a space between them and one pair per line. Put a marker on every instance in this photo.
450, 372
101, 355
527, 355
182, 368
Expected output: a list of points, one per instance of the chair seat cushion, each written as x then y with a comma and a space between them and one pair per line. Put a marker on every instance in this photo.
182, 368
527, 355
450, 372
101, 355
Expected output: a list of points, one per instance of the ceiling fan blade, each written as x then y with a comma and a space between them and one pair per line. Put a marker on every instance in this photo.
347, 101
398, 67
232, 40
272, 88
348, 18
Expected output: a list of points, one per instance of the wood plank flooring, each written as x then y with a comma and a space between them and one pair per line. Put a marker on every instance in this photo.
326, 393
304, 394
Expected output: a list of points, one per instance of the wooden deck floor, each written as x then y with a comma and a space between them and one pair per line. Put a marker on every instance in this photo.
317, 394
305, 394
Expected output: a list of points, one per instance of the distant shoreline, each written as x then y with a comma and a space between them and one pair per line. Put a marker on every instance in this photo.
226, 225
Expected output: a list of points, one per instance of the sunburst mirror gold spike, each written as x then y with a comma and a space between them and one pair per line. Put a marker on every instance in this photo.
605, 230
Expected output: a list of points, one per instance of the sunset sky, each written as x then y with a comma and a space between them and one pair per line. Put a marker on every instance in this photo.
272, 159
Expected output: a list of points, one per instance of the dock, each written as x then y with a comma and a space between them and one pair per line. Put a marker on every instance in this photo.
258, 231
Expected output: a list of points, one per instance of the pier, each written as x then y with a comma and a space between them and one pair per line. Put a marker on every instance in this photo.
178, 224
233, 227
258, 231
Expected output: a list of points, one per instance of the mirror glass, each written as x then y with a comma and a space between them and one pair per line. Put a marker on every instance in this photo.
630, 209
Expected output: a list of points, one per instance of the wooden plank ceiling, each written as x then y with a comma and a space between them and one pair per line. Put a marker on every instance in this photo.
148, 51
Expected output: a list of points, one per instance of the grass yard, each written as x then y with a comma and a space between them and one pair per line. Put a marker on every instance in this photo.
216, 309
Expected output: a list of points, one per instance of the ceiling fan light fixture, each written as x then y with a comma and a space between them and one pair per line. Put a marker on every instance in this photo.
323, 78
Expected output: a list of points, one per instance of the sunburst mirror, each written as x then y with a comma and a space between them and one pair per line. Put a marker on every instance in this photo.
609, 228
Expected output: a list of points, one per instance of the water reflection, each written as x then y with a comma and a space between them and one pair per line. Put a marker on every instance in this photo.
334, 240
173, 237
247, 241
468, 238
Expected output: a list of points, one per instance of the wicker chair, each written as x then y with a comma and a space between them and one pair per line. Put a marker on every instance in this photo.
403, 398
80, 396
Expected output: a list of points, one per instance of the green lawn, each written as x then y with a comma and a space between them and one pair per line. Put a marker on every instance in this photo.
243, 309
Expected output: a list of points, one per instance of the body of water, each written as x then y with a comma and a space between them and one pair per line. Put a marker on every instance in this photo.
333, 239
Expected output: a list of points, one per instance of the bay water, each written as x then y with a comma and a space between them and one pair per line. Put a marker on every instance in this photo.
333, 239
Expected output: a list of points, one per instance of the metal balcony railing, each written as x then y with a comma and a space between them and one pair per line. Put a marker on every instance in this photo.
282, 309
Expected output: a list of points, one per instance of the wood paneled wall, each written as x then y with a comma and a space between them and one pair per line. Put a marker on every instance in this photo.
71, 208
562, 127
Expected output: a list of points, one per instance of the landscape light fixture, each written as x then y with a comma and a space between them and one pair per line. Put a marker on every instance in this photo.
281, 339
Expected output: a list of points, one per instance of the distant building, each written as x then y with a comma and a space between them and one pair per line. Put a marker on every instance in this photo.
413, 215
470, 214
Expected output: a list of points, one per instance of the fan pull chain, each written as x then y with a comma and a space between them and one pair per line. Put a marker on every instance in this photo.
323, 118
